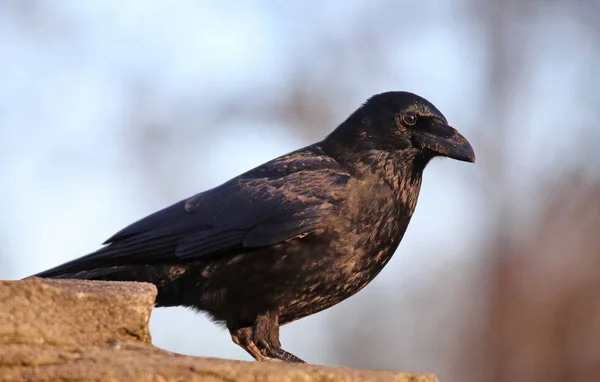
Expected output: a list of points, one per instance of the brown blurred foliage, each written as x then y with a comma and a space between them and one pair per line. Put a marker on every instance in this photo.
544, 311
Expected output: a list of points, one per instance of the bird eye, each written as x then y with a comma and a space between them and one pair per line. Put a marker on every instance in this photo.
409, 119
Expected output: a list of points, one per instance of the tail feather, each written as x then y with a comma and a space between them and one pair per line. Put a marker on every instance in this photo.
114, 256
76, 269
88, 274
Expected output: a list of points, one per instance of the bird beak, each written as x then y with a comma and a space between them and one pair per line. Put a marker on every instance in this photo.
445, 141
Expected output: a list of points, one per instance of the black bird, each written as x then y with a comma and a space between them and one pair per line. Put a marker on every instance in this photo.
291, 237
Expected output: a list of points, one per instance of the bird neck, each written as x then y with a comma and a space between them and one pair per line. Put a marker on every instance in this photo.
392, 167
397, 168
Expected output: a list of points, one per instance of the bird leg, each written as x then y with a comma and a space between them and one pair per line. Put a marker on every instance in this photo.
243, 338
261, 340
265, 335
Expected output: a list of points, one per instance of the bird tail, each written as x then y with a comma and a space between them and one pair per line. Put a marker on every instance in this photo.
94, 267
79, 268
107, 274
170, 281
108, 262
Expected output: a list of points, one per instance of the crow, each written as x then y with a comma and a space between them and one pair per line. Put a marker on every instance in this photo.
291, 237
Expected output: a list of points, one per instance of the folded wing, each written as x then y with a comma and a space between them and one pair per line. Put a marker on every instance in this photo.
241, 215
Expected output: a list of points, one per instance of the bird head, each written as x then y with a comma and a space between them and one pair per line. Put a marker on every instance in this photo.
403, 122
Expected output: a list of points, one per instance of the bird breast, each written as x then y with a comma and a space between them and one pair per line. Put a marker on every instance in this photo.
380, 215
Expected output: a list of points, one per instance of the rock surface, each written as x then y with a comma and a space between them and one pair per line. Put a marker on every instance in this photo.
71, 330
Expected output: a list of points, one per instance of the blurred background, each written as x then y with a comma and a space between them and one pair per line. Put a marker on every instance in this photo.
112, 110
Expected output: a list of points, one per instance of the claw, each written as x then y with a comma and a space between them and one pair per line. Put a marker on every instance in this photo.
261, 340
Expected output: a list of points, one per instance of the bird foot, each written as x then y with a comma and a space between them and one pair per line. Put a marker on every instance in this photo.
261, 340
282, 355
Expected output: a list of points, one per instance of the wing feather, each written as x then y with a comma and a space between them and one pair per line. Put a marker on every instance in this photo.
242, 214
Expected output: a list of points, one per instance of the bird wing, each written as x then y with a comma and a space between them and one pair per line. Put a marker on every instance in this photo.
260, 212
242, 214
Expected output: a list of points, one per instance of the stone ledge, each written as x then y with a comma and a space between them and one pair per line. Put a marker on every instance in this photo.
73, 330
68, 312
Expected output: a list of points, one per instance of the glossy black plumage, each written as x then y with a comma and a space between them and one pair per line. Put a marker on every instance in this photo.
293, 236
